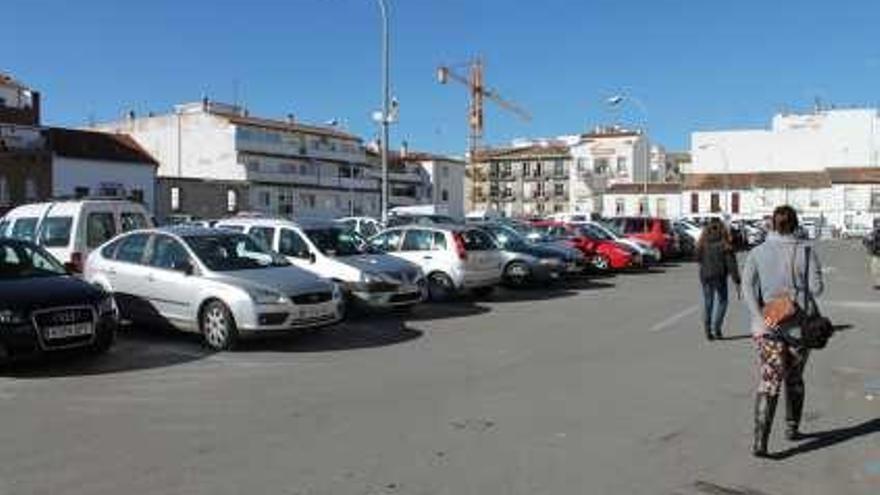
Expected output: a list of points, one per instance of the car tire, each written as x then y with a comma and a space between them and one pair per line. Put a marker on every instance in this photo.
517, 273
440, 287
103, 342
601, 263
218, 326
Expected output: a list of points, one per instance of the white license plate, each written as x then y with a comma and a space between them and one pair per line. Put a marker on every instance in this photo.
310, 313
68, 331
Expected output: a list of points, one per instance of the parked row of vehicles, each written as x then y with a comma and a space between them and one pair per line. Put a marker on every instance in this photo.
70, 271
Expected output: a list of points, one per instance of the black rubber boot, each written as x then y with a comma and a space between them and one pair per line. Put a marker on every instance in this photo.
794, 409
765, 409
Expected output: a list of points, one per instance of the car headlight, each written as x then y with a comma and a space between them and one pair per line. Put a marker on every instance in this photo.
263, 296
550, 261
372, 278
106, 305
12, 317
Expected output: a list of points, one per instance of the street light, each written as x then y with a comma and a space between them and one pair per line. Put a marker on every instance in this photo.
617, 101
386, 96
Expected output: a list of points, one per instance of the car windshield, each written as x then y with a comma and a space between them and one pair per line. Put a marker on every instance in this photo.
20, 260
230, 252
612, 229
507, 237
336, 241
594, 232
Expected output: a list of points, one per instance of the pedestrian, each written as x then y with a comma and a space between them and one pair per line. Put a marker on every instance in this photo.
773, 272
717, 259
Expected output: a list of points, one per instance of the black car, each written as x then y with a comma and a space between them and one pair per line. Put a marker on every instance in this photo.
44, 309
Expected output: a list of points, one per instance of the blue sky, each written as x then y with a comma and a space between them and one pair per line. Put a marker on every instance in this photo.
695, 64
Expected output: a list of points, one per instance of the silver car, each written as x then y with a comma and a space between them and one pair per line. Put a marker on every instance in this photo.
222, 284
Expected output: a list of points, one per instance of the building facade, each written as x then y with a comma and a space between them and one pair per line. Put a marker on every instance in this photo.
419, 178
216, 160
25, 159
523, 181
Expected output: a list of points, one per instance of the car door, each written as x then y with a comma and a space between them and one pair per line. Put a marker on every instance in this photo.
483, 258
127, 275
169, 281
417, 246
295, 248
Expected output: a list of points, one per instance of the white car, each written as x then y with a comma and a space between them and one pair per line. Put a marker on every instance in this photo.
643, 248
693, 230
330, 250
454, 258
70, 230
222, 284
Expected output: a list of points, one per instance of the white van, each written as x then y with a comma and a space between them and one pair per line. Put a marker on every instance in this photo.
332, 251
69, 230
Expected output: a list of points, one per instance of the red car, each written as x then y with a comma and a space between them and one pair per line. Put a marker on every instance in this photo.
657, 231
605, 254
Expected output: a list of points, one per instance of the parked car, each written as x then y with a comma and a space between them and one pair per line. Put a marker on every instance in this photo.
454, 258
70, 230
657, 231
604, 253
576, 263
221, 284
686, 239
526, 262
645, 249
43, 309
368, 278
365, 226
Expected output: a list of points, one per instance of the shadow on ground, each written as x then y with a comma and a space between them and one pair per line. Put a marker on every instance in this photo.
361, 334
824, 439
591, 283
135, 349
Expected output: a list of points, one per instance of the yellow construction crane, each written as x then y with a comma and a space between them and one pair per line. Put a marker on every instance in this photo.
478, 92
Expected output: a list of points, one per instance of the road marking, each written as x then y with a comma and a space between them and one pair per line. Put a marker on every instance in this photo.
672, 320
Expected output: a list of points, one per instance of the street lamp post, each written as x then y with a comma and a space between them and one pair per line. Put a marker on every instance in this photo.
386, 97
619, 100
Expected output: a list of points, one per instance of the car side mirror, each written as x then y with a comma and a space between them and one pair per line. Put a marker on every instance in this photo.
312, 258
185, 267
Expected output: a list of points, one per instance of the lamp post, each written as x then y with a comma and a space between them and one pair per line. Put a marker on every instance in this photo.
618, 101
386, 97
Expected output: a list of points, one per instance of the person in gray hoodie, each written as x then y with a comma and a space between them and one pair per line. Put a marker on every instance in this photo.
774, 269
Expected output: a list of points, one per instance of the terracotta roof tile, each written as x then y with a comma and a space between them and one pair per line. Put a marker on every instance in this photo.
809, 180
855, 175
529, 152
653, 188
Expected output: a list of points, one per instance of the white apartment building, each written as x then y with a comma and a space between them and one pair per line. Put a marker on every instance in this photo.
823, 163
216, 160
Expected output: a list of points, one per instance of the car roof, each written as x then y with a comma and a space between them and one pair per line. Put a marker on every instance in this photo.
303, 223
189, 231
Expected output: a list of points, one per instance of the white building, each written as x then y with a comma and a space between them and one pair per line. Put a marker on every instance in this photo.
88, 163
215, 160
823, 163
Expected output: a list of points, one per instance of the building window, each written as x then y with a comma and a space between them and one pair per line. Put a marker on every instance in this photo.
30, 189
265, 198
559, 189
814, 198
444, 196
175, 199
526, 169
4, 191
621, 166
600, 166
538, 171
231, 200
715, 203
445, 171
875, 199
506, 170
80, 192
695, 202
136, 195
619, 206
559, 168
643, 206
734, 203
308, 200
558, 208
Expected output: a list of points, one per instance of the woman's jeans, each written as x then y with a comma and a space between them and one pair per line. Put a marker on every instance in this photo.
714, 305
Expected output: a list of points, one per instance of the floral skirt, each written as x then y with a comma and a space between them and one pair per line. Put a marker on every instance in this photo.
778, 363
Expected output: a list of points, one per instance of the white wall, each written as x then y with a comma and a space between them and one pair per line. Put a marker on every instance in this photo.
673, 204
451, 181
70, 173
796, 142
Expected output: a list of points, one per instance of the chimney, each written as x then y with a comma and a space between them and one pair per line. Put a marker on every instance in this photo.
205, 103
291, 119
404, 148
35, 107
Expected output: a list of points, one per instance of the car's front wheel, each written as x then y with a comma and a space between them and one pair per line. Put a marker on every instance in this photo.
517, 274
218, 326
440, 287
601, 263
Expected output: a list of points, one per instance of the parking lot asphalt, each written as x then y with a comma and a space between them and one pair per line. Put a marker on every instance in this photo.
604, 386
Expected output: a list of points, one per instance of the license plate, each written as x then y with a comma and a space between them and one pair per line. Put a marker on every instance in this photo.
310, 313
68, 331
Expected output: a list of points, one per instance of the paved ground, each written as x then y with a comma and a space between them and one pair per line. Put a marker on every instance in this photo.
600, 388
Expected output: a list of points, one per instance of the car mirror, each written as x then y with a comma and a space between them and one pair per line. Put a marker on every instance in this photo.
312, 258
185, 267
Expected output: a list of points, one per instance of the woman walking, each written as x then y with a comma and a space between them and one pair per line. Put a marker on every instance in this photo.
717, 260
773, 272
